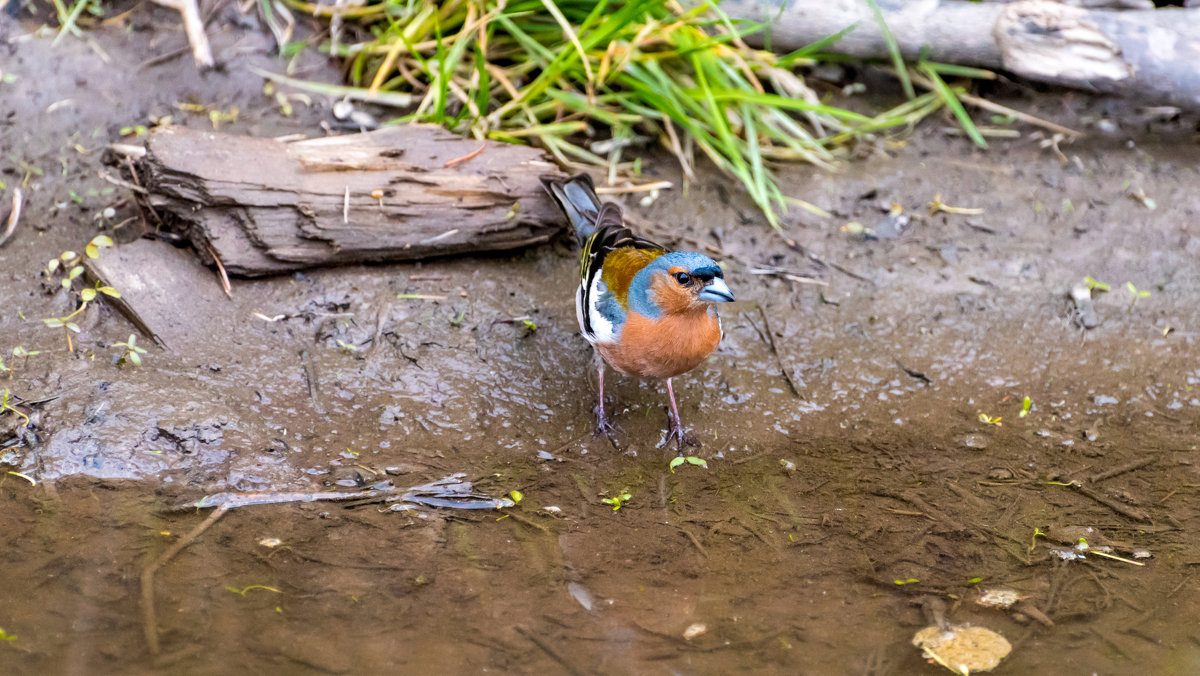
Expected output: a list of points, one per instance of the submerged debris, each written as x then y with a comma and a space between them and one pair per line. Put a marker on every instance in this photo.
999, 598
961, 648
451, 492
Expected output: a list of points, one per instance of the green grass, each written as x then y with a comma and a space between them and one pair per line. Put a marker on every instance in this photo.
561, 74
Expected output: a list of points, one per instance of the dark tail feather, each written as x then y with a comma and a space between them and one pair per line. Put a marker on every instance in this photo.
576, 196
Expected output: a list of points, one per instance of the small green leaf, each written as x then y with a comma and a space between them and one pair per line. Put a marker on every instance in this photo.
66, 283
73, 327
88, 295
109, 291
54, 323
517, 496
675, 462
75, 272
135, 358
91, 251
1026, 404
699, 462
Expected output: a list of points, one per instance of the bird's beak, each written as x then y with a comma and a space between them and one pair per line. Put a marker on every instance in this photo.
716, 291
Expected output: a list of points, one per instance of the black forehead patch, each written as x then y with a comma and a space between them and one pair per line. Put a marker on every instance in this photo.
707, 273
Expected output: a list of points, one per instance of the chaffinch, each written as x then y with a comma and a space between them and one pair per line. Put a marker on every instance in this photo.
648, 312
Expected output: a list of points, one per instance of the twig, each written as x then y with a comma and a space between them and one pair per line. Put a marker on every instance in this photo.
221, 269
465, 158
803, 251
314, 386
105, 176
692, 537
1135, 514
790, 276
528, 522
138, 182
778, 360
1127, 467
193, 25
149, 618
13, 217
1024, 117
624, 189
546, 648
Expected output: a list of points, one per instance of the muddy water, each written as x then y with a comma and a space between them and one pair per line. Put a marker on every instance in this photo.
851, 483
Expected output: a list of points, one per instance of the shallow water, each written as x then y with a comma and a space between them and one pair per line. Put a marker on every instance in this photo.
850, 479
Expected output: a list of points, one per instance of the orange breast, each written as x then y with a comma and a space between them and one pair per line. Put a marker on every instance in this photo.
663, 348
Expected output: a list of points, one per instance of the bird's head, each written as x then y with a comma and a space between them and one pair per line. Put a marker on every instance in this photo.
678, 282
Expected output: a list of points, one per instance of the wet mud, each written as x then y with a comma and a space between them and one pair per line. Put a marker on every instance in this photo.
861, 422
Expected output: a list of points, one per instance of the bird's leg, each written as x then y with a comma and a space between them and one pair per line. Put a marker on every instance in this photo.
675, 431
603, 425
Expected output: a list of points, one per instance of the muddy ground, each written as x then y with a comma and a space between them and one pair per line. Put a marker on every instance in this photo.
851, 486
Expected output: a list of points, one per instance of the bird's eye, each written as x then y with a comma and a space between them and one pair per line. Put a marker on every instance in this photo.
683, 278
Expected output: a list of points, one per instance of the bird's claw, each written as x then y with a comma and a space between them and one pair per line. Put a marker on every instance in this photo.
677, 434
603, 424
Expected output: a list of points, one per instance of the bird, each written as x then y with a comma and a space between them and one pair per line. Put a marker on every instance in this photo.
647, 312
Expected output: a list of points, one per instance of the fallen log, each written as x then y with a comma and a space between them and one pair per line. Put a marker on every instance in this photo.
262, 206
1152, 55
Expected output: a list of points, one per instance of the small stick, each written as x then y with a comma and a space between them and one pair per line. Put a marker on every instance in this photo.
138, 182
465, 158
193, 25
149, 619
1127, 467
528, 522
779, 360
310, 375
790, 276
546, 648
221, 270
645, 187
692, 537
1135, 514
13, 217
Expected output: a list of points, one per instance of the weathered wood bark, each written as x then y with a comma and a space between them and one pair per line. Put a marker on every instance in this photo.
401, 193
1153, 55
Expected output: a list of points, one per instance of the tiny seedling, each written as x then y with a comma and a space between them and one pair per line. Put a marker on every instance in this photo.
19, 351
66, 324
5, 406
989, 420
348, 347
517, 496
1026, 404
1094, 285
88, 295
132, 354
1136, 294
529, 324
911, 580
691, 460
618, 501
5, 636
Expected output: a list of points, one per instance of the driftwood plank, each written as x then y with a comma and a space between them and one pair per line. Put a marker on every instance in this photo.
264, 206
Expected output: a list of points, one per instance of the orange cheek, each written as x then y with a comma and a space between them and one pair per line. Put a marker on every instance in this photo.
669, 296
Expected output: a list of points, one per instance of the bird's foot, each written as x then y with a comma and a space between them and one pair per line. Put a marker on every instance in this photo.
676, 433
603, 424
